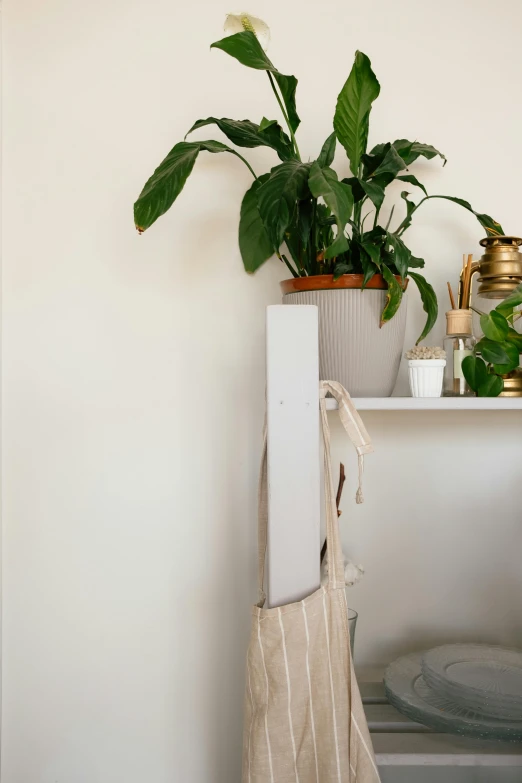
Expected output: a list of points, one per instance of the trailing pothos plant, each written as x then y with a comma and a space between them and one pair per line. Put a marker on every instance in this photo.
313, 221
498, 352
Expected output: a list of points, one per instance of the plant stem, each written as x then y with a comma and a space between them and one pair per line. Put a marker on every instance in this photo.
285, 260
247, 164
402, 228
390, 218
285, 115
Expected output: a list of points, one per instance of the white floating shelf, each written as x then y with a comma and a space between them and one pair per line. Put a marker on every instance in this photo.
433, 403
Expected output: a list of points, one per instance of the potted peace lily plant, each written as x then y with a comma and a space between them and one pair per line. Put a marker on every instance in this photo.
325, 229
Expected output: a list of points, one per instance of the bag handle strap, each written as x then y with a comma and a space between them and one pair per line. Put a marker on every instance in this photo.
356, 430
357, 433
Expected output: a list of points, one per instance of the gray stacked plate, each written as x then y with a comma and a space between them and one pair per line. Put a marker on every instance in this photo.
470, 689
485, 679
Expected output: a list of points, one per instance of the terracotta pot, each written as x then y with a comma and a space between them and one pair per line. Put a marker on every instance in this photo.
353, 349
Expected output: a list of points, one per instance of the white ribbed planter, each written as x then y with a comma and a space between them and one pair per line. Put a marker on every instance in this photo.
426, 377
352, 348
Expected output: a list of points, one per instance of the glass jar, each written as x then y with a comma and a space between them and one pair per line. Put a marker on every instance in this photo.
458, 343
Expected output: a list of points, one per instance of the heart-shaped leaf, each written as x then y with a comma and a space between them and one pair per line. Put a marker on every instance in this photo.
497, 352
494, 326
513, 300
491, 387
475, 371
352, 113
514, 337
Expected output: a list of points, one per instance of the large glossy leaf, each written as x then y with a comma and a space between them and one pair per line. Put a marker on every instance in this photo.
245, 133
497, 352
429, 302
162, 189
338, 197
411, 150
475, 371
246, 48
513, 300
514, 337
393, 296
352, 113
487, 222
327, 153
277, 197
412, 181
494, 326
491, 386
254, 243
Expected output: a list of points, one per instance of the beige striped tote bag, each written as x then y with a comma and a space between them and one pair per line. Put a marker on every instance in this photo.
304, 720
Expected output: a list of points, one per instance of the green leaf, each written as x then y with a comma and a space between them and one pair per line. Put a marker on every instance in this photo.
514, 337
411, 150
254, 243
401, 254
352, 113
410, 209
288, 87
272, 134
487, 222
390, 165
491, 387
475, 371
410, 179
393, 296
245, 133
415, 263
513, 300
494, 326
277, 197
338, 197
429, 303
374, 251
498, 352
246, 48
162, 189
327, 153
374, 191
341, 269
165, 185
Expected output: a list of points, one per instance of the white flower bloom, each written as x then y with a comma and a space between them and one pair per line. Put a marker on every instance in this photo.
236, 23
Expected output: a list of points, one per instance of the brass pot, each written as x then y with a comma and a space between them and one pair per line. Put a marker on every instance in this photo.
512, 384
500, 268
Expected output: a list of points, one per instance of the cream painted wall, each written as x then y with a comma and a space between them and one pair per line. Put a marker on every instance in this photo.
133, 373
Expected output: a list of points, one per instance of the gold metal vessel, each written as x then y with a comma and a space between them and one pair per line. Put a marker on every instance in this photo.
500, 268
512, 384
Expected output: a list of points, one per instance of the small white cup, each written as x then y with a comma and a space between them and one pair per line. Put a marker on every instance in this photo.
426, 377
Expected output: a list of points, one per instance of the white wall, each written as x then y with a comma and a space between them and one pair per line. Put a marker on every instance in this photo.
133, 376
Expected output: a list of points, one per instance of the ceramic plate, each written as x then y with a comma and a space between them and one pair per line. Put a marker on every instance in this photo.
407, 690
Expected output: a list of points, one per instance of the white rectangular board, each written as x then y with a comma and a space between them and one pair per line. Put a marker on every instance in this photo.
294, 504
